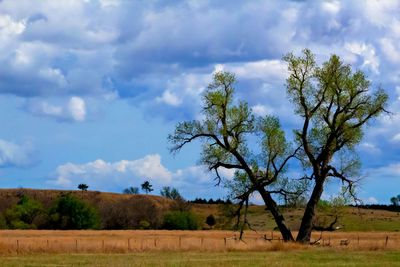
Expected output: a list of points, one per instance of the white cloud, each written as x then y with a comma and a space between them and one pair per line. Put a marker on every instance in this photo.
396, 138
385, 172
73, 110
14, 155
10, 27
332, 7
266, 70
370, 148
77, 108
367, 52
261, 110
370, 200
169, 99
390, 51
101, 174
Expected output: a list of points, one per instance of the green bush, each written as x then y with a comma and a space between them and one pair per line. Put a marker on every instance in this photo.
70, 212
180, 220
144, 225
23, 214
3, 223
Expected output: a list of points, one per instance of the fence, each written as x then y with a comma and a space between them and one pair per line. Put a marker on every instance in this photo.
174, 242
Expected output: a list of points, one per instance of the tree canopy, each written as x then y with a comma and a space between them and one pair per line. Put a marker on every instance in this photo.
147, 187
334, 104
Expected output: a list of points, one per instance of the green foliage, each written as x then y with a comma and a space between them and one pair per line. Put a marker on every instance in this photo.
70, 212
144, 225
131, 190
335, 103
3, 222
23, 214
180, 220
147, 187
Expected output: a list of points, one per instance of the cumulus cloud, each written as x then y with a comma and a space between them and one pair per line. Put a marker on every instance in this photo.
370, 200
166, 57
16, 155
77, 108
72, 110
102, 175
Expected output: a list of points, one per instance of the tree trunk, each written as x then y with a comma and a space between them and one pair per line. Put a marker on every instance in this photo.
306, 226
279, 219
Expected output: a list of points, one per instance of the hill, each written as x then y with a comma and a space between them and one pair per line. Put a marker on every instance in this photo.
117, 211
349, 218
122, 211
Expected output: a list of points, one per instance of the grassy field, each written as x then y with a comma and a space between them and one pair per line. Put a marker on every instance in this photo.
314, 257
193, 248
351, 218
21, 242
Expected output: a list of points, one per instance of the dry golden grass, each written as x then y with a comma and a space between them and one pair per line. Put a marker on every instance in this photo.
33, 241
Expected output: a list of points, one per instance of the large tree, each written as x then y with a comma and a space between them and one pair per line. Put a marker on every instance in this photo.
224, 130
334, 104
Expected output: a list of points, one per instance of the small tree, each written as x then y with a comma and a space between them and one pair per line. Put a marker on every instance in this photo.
171, 193
70, 212
395, 200
131, 190
180, 220
83, 187
210, 220
147, 187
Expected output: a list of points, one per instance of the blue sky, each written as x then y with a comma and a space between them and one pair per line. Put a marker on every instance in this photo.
89, 90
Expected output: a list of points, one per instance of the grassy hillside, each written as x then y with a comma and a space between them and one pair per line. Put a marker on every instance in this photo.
115, 208
350, 218
117, 211
9, 197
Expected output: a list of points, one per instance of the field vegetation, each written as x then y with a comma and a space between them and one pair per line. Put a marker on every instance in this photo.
193, 248
111, 211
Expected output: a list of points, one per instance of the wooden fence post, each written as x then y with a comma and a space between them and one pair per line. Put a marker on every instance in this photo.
102, 245
387, 239
202, 242
129, 244
17, 246
76, 245
225, 241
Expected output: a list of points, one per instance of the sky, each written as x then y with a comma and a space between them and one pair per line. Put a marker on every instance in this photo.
90, 89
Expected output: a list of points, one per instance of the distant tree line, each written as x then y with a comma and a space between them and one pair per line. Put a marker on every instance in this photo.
211, 201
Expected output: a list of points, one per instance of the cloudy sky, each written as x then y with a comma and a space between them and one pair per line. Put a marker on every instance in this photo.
90, 89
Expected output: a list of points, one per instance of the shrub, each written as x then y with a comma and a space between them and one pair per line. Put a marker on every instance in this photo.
210, 220
131, 190
144, 225
72, 213
3, 223
128, 213
180, 220
23, 214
